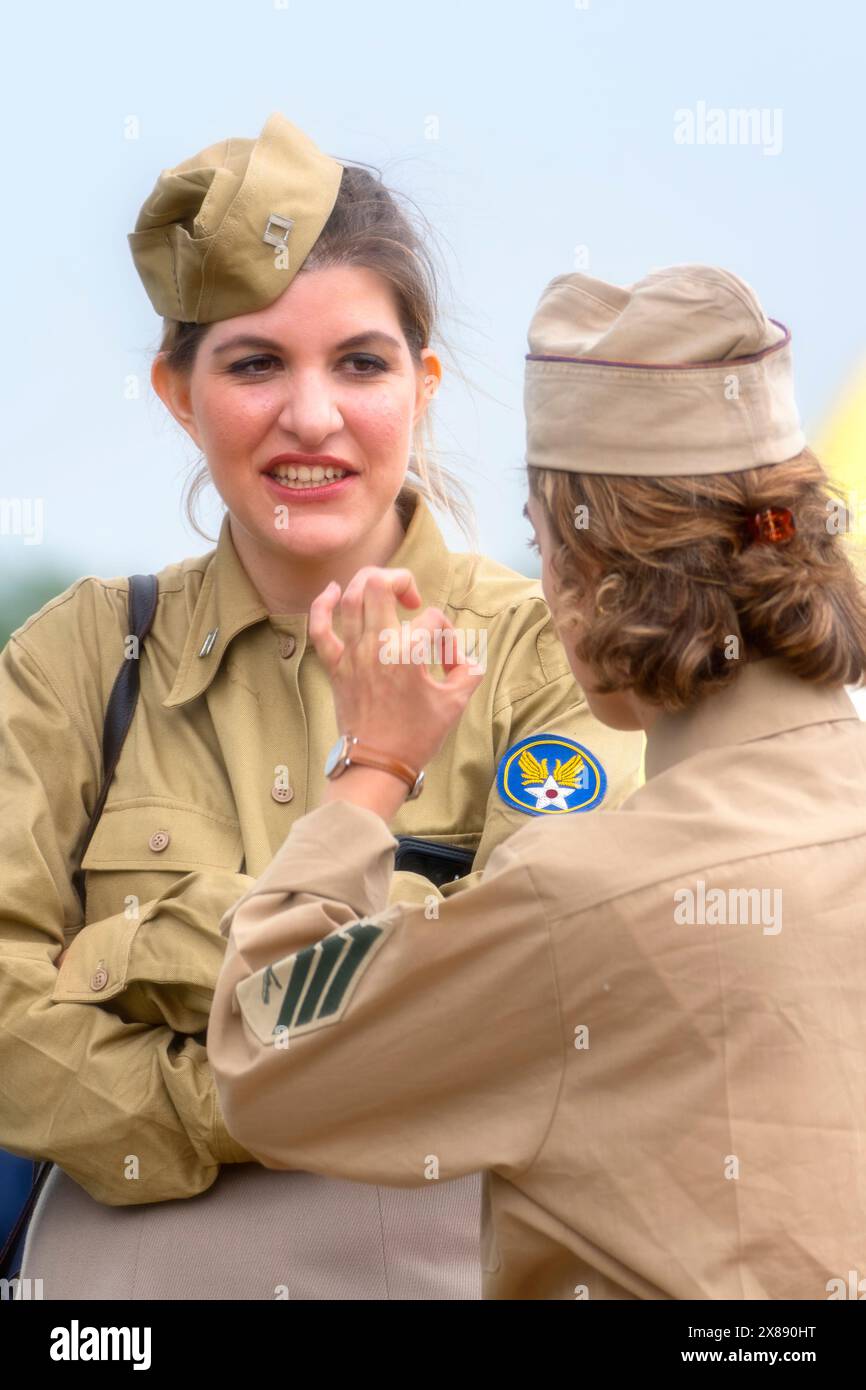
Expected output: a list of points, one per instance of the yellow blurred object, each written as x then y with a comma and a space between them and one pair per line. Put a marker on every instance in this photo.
841, 447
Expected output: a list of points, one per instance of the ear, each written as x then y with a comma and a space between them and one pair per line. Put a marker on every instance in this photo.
174, 392
429, 378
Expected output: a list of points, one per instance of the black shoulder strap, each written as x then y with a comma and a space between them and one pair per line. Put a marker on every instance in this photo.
143, 593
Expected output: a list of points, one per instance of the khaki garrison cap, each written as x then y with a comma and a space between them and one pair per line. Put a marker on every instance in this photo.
679, 373
225, 232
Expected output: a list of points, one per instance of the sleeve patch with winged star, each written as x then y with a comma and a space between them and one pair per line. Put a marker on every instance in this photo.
577, 781
312, 987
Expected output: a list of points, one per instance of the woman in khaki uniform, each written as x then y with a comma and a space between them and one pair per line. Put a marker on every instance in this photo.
649, 1028
307, 425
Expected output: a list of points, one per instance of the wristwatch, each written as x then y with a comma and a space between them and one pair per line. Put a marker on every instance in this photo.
347, 750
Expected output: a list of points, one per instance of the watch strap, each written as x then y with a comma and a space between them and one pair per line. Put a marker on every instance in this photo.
368, 757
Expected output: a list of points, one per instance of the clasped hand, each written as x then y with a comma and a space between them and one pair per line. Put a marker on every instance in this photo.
396, 707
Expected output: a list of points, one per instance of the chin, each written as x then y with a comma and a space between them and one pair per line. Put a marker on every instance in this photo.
311, 537
308, 532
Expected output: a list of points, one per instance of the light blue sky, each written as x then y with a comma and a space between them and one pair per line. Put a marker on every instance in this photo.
555, 131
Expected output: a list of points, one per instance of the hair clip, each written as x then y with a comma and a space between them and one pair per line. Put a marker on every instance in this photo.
773, 525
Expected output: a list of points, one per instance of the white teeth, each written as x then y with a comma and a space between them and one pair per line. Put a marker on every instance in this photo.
305, 477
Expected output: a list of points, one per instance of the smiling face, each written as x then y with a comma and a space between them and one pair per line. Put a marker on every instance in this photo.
334, 386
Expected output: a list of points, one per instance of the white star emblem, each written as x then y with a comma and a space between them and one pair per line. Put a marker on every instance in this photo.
552, 795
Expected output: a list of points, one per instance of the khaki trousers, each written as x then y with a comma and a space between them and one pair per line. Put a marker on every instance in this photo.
258, 1233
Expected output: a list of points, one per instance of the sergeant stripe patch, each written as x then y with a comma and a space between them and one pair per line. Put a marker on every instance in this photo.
312, 987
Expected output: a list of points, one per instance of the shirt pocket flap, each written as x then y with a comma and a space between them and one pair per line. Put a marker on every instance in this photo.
153, 833
138, 851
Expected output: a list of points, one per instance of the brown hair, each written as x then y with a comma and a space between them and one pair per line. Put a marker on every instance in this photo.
664, 578
367, 227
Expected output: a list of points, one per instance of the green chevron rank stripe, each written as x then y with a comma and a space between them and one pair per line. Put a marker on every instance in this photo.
311, 988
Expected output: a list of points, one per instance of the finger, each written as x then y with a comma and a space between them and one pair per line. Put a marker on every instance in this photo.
401, 583
380, 607
321, 627
405, 587
461, 682
455, 645
352, 605
447, 643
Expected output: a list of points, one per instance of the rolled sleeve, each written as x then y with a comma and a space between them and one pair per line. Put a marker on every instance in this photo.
367, 1041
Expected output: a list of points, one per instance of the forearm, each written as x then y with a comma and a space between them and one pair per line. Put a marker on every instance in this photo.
128, 1110
368, 787
383, 794
345, 1033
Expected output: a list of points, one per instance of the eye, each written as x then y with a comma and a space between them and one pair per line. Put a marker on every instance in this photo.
533, 545
371, 364
240, 368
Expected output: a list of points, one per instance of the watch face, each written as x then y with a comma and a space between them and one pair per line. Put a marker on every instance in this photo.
336, 756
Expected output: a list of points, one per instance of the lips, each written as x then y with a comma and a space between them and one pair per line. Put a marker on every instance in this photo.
295, 462
314, 490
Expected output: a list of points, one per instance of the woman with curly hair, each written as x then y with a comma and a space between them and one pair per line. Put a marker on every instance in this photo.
651, 1035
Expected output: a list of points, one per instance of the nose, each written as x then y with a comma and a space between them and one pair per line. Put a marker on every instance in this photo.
310, 411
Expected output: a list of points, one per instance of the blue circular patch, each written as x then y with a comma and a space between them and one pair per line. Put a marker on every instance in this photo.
548, 775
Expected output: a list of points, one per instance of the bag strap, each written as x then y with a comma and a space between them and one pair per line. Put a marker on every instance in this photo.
143, 594
21, 1221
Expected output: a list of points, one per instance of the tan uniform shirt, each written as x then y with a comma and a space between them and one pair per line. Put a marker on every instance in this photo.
648, 1025
103, 1067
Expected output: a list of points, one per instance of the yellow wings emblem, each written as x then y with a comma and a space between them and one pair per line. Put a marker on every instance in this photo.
534, 772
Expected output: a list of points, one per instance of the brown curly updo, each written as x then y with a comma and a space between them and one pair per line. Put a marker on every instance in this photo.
660, 591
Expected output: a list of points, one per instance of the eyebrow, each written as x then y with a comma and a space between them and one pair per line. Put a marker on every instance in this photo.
253, 341
526, 513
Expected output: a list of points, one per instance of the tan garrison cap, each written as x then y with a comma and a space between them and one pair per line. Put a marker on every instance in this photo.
679, 373
225, 232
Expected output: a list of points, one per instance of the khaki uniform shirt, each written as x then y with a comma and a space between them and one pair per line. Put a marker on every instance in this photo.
103, 1067
648, 1025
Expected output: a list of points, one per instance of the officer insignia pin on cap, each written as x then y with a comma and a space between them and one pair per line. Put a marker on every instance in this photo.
548, 775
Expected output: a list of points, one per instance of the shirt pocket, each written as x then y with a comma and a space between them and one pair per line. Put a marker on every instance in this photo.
153, 970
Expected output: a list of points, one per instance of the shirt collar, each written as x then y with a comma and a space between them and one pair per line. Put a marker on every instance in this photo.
228, 601
765, 698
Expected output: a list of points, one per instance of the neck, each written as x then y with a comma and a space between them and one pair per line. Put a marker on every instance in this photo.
289, 583
645, 714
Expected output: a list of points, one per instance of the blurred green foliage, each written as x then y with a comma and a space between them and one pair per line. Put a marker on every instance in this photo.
22, 594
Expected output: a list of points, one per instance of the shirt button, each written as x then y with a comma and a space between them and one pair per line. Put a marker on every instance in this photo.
281, 793
287, 645
99, 978
158, 840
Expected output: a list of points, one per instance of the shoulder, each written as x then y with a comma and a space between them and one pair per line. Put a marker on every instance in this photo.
91, 614
488, 587
716, 811
514, 608
93, 602
605, 858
